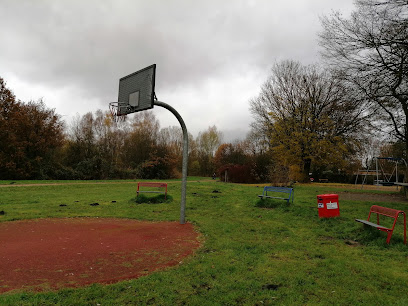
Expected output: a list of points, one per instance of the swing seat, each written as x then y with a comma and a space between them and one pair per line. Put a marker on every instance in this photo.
387, 183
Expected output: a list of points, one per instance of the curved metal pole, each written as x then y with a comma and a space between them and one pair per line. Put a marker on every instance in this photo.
185, 159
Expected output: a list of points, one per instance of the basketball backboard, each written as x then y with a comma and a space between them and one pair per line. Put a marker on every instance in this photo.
136, 91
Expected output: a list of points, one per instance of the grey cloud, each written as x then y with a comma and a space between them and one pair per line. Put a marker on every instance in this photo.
88, 45
92, 43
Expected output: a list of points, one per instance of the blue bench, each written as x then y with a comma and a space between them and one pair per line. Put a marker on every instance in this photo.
289, 191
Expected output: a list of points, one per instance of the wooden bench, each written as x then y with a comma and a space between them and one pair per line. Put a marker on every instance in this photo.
152, 184
272, 189
388, 212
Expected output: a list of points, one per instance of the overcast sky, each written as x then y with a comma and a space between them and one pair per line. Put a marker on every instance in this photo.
212, 56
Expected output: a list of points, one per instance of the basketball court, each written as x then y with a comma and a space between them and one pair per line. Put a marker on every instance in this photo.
50, 254
46, 254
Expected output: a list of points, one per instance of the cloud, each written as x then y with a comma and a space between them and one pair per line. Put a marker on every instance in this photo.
76, 51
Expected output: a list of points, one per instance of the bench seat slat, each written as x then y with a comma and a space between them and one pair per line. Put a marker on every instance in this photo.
373, 224
150, 191
269, 197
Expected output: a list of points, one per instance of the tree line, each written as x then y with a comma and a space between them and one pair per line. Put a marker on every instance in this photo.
35, 143
314, 120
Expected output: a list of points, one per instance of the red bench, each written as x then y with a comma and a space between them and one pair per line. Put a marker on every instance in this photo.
152, 184
388, 212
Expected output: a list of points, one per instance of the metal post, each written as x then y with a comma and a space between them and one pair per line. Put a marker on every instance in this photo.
185, 159
376, 169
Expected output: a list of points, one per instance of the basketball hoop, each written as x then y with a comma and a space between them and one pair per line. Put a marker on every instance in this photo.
136, 93
118, 110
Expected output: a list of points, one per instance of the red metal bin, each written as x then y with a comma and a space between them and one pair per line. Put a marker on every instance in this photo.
328, 205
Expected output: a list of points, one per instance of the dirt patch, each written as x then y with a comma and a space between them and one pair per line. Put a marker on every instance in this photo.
49, 254
352, 243
370, 197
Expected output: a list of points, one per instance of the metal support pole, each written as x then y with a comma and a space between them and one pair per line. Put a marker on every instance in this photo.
396, 173
185, 159
376, 169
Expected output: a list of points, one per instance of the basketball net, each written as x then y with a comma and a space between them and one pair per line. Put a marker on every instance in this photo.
115, 109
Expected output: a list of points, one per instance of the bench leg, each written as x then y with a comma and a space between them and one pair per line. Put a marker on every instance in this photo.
389, 237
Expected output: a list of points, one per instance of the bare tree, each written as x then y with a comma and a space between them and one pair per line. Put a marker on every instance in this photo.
308, 117
369, 51
172, 137
209, 140
207, 143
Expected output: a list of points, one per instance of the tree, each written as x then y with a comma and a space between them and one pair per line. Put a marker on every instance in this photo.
141, 140
209, 140
207, 144
30, 136
308, 116
369, 51
245, 161
171, 139
230, 154
81, 151
8, 108
98, 148
145, 149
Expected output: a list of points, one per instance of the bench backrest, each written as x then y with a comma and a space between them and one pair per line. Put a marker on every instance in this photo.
388, 212
278, 189
385, 211
151, 184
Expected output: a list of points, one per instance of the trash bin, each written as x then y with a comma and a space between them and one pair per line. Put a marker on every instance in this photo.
328, 205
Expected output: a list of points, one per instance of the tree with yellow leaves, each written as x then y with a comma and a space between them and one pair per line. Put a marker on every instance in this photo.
309, 117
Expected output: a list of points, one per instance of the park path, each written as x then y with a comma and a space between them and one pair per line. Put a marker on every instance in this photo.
90, 183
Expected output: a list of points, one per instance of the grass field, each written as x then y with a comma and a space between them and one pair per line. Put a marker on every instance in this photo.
249, 255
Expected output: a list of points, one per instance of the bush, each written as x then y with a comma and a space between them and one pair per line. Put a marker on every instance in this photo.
161, 198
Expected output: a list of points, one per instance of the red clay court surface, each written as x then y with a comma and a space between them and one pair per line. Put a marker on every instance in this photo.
49, 254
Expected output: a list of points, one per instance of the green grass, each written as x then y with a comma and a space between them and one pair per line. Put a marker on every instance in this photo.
250, 255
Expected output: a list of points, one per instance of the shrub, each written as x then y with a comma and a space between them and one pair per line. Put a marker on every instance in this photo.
161, 198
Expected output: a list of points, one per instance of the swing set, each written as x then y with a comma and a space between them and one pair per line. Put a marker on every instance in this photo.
382, 175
